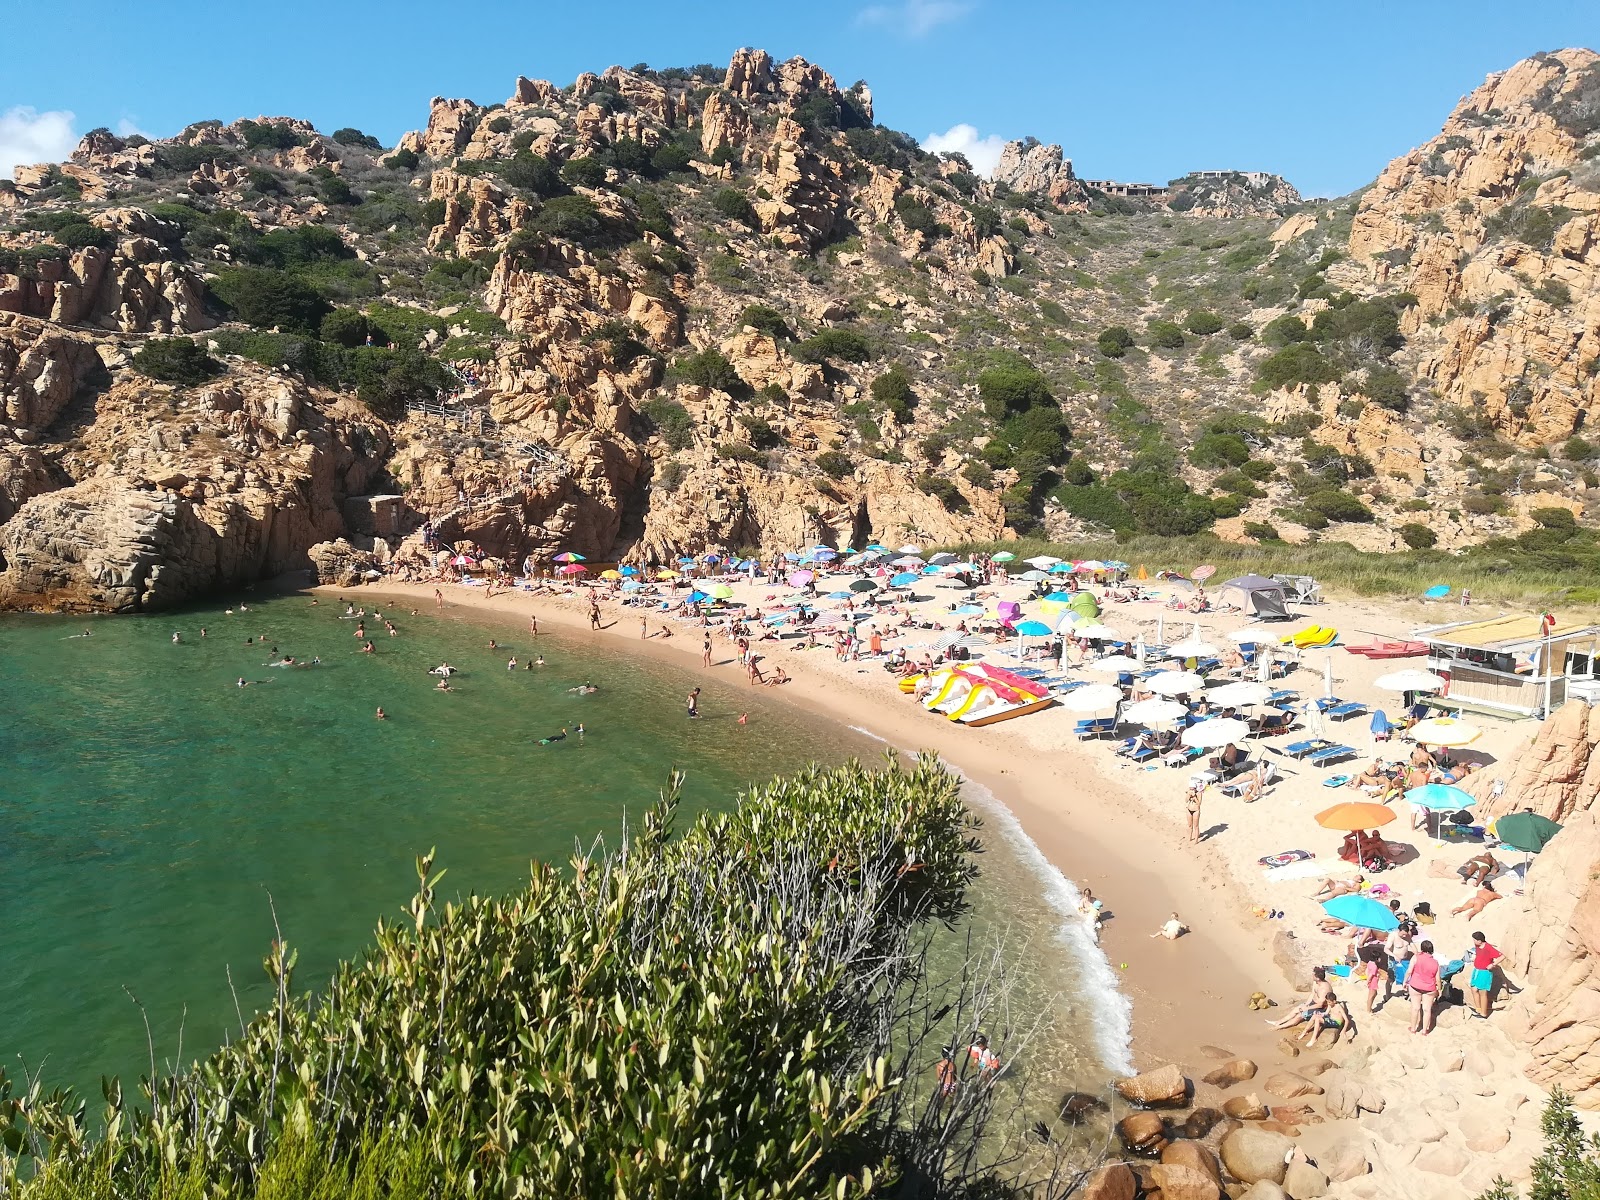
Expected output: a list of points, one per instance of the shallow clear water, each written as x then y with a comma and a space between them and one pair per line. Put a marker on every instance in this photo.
151, 808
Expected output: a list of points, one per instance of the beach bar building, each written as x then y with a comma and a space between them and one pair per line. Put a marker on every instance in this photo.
1516, 664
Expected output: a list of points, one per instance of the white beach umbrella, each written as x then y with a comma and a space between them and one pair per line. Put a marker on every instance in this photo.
909, 549
1113, 664
1033, 576
1161, 628
1264, 666
1154, 712
1251, 633
1219, 731
1138, 649
1444, 731
1098, 632
1412, 679
1096, 697
909, 560
1190, 647
1175, 683
1239, 695
1327, 676
1043, 561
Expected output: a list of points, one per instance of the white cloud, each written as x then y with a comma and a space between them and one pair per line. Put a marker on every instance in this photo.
129, 126
914, 18
982, 152
28, 136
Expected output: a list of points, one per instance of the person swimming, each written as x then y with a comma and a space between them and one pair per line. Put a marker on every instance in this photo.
584, 688
286, 661
579, 731
538, 661
444, 669
380, 714
554, 737
176, 637
443, 686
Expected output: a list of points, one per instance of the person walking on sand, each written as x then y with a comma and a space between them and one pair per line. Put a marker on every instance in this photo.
438, 597
533, 625
1422, 984
644, 628
705, 651
1191, 805
693, 702
1480, 984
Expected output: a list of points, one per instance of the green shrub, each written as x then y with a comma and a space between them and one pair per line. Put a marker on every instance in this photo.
1240, 332
182, 158
574, 218
531, 172
893, 390
177, 360
1286, 330
269, 135
402, 160
1260, 531
844, 344
500, 124
1386, 387
264, 181
739, 452
835, 464
670, 159
671, 420
1418, 537
1114, 342
333, 189
81, 234
1219, 450
1012, 389
947, 493
734, 204
669, 476
299, 246
584, 172
765, 319
1301, 363
709, 368
762, 435
1203, 323
1483, 503
1555, 518
1164, 335
1578, 449
915, 215
271, 299
354, 137
1337, 505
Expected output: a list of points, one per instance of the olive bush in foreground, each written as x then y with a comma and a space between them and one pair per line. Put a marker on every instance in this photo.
729, 1013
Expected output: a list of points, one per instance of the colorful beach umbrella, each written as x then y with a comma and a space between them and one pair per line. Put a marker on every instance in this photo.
610, 574
1355, 815
1061, 568
1004, 556
1525, 831
1203, 573
841, 595
1089, 566
1439, 796
1444, 731
567, 556
1361, 911
801, 578
572, 569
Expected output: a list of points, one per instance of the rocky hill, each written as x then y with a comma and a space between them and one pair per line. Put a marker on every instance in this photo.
660, 310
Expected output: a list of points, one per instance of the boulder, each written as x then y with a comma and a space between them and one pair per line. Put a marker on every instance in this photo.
1178, 1182
1113, 1182
1344, 1159
1440, 1158
1302, 1181
1193, 1155
1234, 1071
1288, 1047
340, 563
1245, 1108
1078, 1107
1291, 1086
1294, 1114
1344, 1095
1316, 1067
1485, 1131
1251, 1154
1143, 1133
1200, 1122
1164, 1087
1263, 1189
1216, 1052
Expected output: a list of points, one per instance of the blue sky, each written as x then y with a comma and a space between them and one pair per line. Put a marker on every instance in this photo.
1324, 94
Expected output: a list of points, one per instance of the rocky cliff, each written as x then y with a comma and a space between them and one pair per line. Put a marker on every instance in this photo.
654, 311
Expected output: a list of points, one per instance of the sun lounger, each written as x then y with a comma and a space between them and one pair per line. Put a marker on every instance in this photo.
1282, 696
1097, 727
1182, 758
1309, 746
1271, 724
1344, 712
1324, 703
1330, 755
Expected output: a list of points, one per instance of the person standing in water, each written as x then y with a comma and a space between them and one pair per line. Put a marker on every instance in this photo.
693, 701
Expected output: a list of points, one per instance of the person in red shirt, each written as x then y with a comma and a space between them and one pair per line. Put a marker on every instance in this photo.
1422, 985
1480, 984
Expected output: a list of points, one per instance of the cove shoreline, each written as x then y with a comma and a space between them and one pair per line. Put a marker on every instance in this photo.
1185, 995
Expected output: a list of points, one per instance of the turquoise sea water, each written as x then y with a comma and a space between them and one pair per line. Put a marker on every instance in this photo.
155, 814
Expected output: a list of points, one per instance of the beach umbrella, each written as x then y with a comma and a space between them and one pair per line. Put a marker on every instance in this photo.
824, 555
1113, 565
1412, 679
1355, 815
1174, 683
1059, 598
461, 560
801, 578
1096, 632
1215, 733
666, 573
685, 561
844, 595
1439, 796
1089, 566
1526, 831
633, 585
957, 568
1095, 697
610, 574
1068, 622
1444, 731
1239, 695
969, 610
1361, 911
720, 591
904, 579
1004, 556
1032, 629
1042, 561
1113, 664
858, 559
1154, 712
1191, 647
1033, 576
863, 585
572, 569
1251, 634
939, 560
630, 572
790, 556
713, 558
906, 549
909, 560
1202, 573
569, 557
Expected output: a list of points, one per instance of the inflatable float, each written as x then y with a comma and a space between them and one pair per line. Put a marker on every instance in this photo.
978, 694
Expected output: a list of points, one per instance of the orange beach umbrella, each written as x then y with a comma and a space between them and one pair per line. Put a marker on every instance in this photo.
1353, 816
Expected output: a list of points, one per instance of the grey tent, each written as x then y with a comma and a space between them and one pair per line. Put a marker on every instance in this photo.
1256, 596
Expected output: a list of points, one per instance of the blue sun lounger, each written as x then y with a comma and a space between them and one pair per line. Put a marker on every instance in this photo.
1344, 712
1331, 754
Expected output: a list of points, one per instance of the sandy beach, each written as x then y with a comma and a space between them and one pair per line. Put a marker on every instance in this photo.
1118, 828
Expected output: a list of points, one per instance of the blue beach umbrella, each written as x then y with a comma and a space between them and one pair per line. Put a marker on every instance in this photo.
1439, 796
1361, 911
1061, 568
630, 571
632, 585
697, 597
844, 595
791, 556
904, 579
1059, 598
1032, 629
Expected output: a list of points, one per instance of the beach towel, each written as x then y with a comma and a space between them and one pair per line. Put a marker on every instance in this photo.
1285, 857
1336, 781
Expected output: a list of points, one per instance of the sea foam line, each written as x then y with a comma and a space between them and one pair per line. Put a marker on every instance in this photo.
1113, 1024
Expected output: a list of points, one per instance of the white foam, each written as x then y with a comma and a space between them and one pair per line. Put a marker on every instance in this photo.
1113, 1023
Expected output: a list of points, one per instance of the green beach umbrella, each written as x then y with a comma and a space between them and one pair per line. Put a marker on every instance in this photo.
1526, 831
1004, 556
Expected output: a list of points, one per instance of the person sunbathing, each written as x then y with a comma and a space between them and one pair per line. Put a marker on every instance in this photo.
1335, 1016
1479, 869
1317, 1002
1481, 899
1228, 760
1375, 776
1339, 887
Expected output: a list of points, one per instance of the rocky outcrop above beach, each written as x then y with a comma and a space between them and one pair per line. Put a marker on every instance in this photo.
1556, 773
